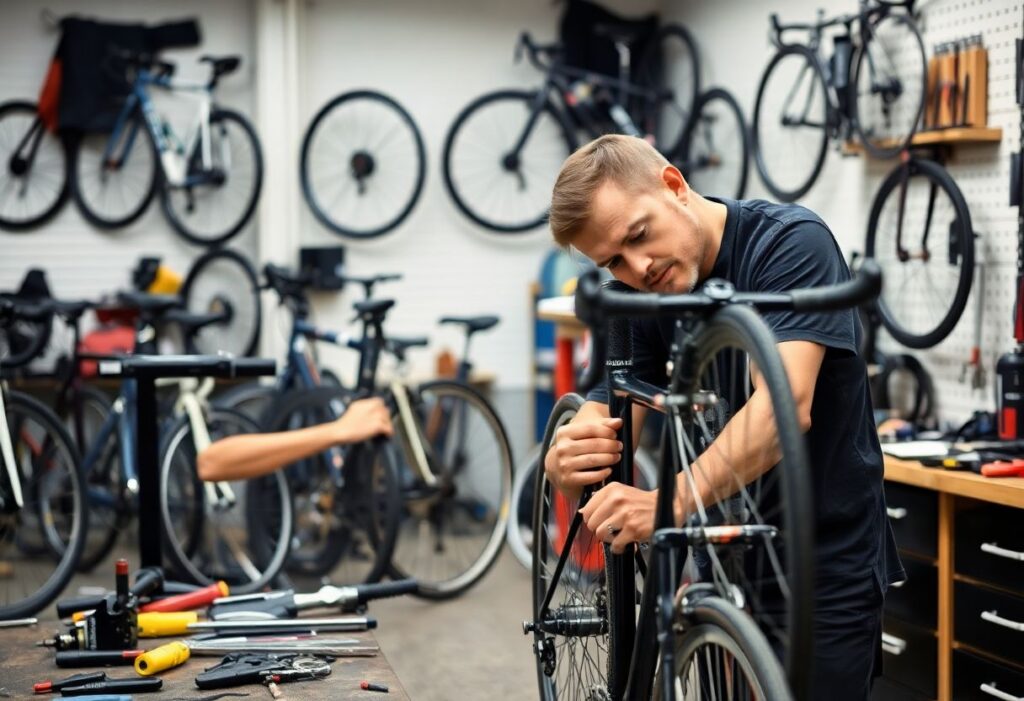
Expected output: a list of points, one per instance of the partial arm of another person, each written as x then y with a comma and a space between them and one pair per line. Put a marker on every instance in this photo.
254, 454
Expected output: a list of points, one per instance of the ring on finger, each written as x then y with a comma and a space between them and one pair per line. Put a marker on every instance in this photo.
613, 530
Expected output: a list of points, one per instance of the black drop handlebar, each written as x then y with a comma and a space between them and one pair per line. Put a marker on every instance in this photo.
596, 305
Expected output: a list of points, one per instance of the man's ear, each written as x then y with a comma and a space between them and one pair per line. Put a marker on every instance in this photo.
676, 183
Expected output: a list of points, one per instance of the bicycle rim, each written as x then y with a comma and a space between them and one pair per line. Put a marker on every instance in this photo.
926, 287
115, 176
789, 156
493, 184
40, 544
888, 85
716, 153
452, 531
244, 543
33, 168
671, 63
363, 164
224, 281
220, 195
21, 340
770, 574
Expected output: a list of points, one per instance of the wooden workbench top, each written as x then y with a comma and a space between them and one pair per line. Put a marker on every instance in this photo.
1008, 491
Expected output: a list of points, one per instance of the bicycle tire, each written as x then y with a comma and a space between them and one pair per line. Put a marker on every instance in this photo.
37, 596
217, 234
346, 538
246, 572
254, 399
241, 333
898, 144
504, 163
715, 621
149, 176
363, 161
790, 193
523, 487
956, 242
10, 138
460, 509
699, 154
654, 73
591, 595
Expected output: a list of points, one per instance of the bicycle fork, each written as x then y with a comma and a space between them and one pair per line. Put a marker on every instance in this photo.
7, 453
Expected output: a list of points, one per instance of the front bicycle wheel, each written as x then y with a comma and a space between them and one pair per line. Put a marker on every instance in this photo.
888, 85
920, 232
223, 280
715, 155
347, 501
501, 159
115, 175
362, 165
671, 65
454, 518
221, 188
769, 571
33, 168
721, 654
580, 654
41, 541
791, 123
240, 534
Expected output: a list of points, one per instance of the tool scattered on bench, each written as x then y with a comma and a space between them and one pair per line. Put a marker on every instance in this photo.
96, 682
247, 668
288, 604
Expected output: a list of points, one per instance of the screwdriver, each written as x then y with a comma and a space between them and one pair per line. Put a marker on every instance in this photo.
287, 604
178, 652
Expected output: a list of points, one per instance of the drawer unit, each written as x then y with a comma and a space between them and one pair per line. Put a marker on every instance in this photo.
917, 599
990, 544
914, 514
885, 690
979, 679
989, 620
910, 656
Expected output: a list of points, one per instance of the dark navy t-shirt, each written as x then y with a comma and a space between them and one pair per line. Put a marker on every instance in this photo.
769, 247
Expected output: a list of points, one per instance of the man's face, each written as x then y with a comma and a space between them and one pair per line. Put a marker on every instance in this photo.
651, 241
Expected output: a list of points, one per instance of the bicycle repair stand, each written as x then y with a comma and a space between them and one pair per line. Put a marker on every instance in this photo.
1010, 367
145, 370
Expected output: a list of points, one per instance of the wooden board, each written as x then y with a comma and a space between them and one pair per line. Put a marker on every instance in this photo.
23, 665
1008, 491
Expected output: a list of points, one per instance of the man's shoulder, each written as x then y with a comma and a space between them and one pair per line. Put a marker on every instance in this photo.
772, 217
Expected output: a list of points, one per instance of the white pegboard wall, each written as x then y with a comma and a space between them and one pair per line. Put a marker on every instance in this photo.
982, 173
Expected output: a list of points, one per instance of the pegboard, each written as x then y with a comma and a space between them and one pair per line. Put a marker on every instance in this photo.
983, 174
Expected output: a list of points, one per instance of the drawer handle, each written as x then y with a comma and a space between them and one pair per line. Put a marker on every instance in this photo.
897, 585
994, 617
892, 644
991, 690
993, 549
897, 513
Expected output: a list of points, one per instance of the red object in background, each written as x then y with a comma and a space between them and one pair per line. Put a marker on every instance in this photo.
110, 340
565, 371
1003, 468
49, 96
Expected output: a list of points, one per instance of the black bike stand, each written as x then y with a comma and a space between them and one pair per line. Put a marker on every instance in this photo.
145, 370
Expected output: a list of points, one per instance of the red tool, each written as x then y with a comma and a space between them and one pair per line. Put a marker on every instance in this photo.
187, 602
1004, 468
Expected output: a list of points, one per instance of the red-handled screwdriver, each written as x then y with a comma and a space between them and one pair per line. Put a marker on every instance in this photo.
369, 686
187, 602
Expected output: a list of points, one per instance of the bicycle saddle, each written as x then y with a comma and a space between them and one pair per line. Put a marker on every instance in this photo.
617, 33
284, 281
472, 323
71, 309
374, 307
147, 303
222, 65
399, 346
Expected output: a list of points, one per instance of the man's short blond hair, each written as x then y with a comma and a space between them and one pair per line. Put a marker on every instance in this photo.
627, 161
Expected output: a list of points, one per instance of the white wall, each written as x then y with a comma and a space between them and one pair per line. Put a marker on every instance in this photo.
733, 39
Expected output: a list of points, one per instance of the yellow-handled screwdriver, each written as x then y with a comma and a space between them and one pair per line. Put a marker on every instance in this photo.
165, 625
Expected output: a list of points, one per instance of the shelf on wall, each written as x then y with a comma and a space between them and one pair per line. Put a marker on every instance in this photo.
949, 136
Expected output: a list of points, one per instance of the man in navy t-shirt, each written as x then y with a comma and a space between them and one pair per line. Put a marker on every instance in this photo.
620, 203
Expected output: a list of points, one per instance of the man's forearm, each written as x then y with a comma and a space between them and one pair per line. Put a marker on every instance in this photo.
251, 455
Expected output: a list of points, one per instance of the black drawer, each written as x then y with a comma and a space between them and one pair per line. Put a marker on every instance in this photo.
885, 690
990, 544
917, 599
914, 514
910, 656
989, 620
971, 673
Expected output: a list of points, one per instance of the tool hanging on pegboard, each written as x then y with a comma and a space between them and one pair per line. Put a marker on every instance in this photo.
1010, 368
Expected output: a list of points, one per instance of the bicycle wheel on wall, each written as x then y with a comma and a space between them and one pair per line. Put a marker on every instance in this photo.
114, 176
241, 538
223, 280
888, 85
715, 154
362, 165
216, 202
920, 232
40, 543
790, 128
500, 160
671, 63
33, 168
452, 530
